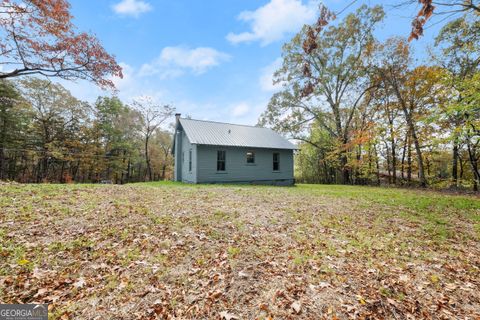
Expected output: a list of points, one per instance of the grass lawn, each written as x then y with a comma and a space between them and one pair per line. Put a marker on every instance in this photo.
173, 251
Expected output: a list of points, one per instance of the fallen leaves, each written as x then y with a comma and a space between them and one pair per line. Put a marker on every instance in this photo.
224, 315
296, 307
23, 262
146, 253
242, 274
80, 283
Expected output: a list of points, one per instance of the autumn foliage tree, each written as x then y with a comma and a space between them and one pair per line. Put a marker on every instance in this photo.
365, 111
38, 37
325, 72
48, 135
458, 45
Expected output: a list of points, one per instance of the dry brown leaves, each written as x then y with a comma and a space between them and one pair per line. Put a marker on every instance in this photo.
214, 252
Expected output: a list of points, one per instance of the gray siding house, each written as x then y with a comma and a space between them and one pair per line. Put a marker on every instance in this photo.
214, 152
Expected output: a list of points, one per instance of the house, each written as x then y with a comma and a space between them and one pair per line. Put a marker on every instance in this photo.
214, 152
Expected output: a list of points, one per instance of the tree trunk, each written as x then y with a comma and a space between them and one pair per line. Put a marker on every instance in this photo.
418, 150
62, 172
411, 126
394, 160
474, 165
461, 169
345, 171
421, 170
377, 163
2, 151
409, 159
39, 170
129, 168
122, 175
455, 163
358, 180
388, 163
75, 170
2, 162
147, 158
404, 152
140, 172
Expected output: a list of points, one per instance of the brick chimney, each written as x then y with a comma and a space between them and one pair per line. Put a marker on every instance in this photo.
177, 117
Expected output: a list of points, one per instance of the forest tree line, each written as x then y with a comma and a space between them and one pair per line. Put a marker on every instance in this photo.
48, 135
363, 109
366, 112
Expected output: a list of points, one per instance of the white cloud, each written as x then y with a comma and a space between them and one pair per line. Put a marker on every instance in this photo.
274, 20
132, 8
174, 61
266, 77
131, 86
240, 109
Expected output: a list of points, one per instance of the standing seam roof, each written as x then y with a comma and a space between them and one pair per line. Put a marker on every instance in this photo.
226, 134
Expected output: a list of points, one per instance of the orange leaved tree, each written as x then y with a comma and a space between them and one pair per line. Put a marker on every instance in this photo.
38, 37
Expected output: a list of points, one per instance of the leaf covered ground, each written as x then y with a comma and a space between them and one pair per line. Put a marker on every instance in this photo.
172, 251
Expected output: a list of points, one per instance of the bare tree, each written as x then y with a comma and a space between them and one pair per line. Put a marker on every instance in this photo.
153, 115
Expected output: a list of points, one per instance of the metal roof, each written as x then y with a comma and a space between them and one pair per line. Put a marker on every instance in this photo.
235, 135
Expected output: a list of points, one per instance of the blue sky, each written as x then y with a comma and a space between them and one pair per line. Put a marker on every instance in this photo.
210, 59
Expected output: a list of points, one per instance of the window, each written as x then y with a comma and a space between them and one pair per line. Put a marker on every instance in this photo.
250, 157
190, 160
276, 161
221, 156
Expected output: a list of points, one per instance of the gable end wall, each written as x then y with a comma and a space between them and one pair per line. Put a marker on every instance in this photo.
187, 175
